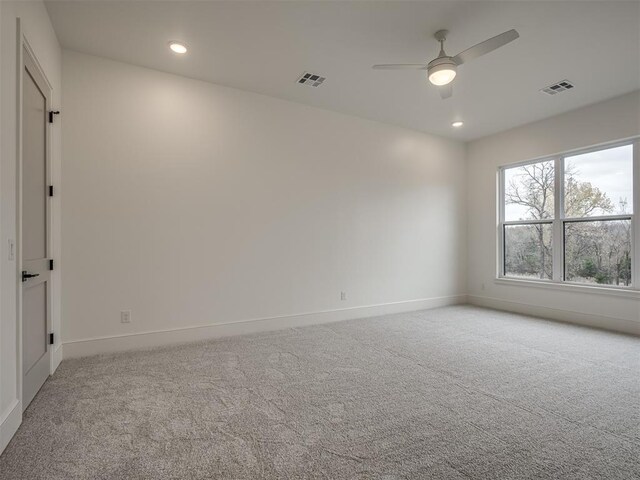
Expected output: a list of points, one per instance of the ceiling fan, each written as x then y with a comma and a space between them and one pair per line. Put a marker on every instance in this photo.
442, 70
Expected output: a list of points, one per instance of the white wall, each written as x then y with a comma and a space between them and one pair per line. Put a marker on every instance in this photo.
193, 204
612, 120
38, 31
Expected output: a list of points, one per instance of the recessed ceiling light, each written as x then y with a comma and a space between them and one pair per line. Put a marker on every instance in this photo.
177, 47
457, 124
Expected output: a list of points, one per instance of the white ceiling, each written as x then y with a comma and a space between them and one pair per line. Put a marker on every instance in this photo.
264, 46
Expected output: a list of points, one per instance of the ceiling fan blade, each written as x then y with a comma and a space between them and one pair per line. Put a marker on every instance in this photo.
445, 90
400, 66
485, 47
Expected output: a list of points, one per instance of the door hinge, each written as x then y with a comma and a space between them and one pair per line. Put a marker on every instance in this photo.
51, 190
51, 339
51, 264
52, 113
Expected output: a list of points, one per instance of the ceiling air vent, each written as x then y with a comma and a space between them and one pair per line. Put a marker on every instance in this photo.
311, 79
562, 86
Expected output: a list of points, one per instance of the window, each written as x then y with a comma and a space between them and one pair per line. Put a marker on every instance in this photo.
529, 206
570, 218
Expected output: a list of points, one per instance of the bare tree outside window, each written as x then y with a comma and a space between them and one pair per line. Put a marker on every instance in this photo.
596, 219
599, 184
529, 195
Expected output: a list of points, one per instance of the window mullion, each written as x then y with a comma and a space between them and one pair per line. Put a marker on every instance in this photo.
635, 224
501, 201
558, 233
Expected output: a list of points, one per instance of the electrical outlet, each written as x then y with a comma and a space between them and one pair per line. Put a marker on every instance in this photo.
343, 295
125, 316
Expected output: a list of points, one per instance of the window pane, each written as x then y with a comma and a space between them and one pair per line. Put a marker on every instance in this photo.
599, 183
598, 252
528, 192
527, 251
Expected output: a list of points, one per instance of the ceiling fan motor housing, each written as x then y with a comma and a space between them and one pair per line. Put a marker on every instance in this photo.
442, 70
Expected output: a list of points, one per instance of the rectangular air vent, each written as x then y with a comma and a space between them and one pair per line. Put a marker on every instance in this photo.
311, 79
561, 86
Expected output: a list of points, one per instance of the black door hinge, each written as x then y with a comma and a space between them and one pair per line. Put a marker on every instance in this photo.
51, 264
51, 342
52, 113
51, 190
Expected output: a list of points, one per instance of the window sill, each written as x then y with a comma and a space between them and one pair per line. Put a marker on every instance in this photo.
625, 292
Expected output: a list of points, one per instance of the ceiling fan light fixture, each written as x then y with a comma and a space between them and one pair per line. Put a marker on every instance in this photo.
442, 71
442, 77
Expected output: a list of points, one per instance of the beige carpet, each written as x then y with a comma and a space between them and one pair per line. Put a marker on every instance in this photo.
452, 393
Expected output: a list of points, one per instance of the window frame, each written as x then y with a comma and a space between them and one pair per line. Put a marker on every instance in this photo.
559, 221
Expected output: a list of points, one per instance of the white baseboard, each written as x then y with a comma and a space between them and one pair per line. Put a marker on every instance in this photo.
135, 341
9, 423
568, 316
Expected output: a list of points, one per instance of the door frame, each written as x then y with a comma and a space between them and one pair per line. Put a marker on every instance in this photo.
24, 48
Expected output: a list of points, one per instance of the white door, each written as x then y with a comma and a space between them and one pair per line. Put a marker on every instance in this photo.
35, 273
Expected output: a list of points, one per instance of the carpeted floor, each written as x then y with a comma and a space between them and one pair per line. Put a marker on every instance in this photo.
452, 393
